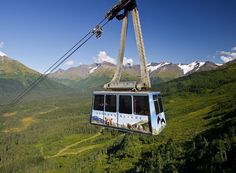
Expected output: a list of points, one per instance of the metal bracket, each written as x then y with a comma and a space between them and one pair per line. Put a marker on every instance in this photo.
144, 83
97, 31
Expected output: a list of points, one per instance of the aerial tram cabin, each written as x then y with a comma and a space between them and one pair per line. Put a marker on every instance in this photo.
129, 111
128, 106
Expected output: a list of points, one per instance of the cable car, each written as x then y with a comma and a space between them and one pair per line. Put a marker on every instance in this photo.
129, 111
128, 105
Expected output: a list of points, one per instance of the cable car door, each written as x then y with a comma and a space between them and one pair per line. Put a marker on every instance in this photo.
160, 121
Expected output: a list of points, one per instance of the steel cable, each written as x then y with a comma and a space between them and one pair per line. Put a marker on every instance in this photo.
55, 65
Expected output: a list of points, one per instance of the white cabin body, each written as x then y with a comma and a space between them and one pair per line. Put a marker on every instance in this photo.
129, 111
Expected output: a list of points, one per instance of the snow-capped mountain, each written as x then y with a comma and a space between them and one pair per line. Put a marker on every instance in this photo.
189, 67
186, 68
92, 69
154, 66
2, 54
165, 70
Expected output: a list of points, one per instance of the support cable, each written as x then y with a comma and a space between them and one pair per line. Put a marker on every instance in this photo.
114, 12
60, 61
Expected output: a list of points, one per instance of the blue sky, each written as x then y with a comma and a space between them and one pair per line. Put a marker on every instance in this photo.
38, 32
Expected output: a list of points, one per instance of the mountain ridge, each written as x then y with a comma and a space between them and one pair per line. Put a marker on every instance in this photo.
15, 77
163, 71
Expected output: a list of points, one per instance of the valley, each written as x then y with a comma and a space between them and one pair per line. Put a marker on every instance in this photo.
54, 134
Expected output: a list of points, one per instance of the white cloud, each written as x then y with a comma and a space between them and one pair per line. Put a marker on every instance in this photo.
128, 62
104, 57
70, 63
226, 59
234, 48
1, 44
228, 56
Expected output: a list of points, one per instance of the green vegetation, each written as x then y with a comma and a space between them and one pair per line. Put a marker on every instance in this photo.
15, 77
54, 134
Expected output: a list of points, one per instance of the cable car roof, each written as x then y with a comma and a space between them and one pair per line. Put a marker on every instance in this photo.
127, 92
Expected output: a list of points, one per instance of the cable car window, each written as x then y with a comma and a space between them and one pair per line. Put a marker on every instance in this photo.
110, 103
125, 104
141, 105
158, 103
98, 102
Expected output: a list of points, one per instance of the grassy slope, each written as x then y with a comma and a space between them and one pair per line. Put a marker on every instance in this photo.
198, 104
190, 99
10, 88
15, 77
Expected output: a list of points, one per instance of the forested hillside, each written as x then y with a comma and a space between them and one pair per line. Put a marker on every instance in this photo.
54, 134
16, 77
